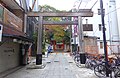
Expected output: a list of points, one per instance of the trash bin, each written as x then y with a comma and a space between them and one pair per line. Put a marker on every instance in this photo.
82, 58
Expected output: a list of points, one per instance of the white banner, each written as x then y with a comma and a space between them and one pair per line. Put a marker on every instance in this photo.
1, 28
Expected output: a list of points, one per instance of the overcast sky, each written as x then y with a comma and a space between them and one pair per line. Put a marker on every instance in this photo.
66, 4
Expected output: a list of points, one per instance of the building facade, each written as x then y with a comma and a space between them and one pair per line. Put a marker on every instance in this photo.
111, 18
16, 33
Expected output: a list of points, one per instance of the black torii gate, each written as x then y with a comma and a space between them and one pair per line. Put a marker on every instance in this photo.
41, 22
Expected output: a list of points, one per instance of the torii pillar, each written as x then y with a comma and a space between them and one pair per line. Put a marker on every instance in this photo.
39, 43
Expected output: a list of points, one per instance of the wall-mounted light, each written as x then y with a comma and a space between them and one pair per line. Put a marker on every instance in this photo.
26, 43
20, 41
15, 40
23, 42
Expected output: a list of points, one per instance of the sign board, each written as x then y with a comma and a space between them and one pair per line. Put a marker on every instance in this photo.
13, 20
87, 27
1, 28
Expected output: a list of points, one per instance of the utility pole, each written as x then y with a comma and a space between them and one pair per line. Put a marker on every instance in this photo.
104, 36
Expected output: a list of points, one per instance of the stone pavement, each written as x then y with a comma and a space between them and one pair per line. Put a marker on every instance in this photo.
58, 65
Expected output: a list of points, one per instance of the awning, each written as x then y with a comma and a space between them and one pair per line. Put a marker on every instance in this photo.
18, 37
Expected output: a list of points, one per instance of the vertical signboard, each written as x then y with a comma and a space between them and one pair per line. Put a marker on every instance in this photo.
1, 28
75, 27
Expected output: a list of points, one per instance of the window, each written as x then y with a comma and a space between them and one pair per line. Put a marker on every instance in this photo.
100, 27
101, 45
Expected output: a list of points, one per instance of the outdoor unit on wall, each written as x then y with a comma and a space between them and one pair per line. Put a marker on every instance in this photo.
72, 41
1, 29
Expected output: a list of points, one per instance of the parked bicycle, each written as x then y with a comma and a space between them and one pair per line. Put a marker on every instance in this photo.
112, 69
76, 58
117, 75
90, 62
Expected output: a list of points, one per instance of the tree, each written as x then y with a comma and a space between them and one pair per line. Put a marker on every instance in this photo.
59, 33
55, 32
67, 36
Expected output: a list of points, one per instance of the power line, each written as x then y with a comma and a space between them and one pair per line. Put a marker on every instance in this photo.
79, 4
95, 31
105, 14
93, 5
112, 11
92, 8
86, 4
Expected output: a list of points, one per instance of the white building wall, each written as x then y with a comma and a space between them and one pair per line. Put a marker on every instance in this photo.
114, 30
118, 13
114, 21
96, 20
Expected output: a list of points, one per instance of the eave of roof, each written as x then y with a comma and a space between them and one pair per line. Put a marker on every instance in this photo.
18, 37
12, 4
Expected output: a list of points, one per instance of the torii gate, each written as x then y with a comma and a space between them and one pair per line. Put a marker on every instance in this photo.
80, 14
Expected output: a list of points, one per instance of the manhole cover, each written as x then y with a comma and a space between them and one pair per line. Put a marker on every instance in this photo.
70, 62
56, 61
66, 68
48, 62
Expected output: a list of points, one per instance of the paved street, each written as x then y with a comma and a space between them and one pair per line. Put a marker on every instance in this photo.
58, 65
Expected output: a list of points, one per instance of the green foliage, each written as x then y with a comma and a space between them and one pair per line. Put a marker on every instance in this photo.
59, 33
35, 36
48, 36
55, 33
47, 8
67, 36
43, 48
35, 40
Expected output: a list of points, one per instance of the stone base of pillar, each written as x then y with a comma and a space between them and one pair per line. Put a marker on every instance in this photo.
82, 57
38, 59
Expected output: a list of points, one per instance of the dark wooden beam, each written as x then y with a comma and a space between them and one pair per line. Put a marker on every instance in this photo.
82, 13
60, 23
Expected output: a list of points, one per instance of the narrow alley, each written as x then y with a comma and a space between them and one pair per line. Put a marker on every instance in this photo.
59, 38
